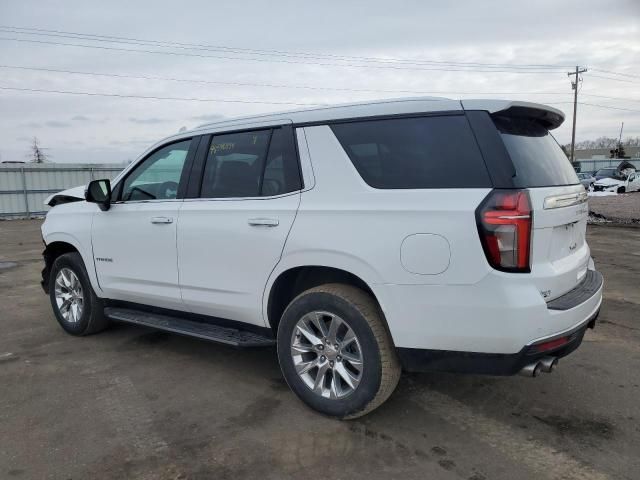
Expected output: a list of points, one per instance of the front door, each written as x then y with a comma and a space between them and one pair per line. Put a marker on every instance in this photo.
231, 237
134, 242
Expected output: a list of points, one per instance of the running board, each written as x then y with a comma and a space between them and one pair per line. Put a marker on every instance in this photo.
190, 328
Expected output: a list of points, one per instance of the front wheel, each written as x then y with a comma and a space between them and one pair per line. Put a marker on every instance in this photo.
76, 307
335, 352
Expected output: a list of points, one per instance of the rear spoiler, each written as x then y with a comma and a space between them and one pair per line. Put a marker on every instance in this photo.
548, 116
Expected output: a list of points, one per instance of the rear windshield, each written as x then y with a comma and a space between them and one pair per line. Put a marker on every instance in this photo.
538, 159
419, 152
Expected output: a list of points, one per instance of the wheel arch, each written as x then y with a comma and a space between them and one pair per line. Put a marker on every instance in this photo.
57, 244
289, 283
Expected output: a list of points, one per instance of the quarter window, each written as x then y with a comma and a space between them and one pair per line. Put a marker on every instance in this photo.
281, 174
158, 176
424, 152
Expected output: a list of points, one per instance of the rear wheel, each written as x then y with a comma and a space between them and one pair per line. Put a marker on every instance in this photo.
335, 352
76, 307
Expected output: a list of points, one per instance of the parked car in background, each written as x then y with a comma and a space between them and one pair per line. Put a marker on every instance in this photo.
346, 236
586, 179
619, 182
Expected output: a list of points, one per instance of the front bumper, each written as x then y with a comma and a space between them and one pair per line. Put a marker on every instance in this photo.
606, 188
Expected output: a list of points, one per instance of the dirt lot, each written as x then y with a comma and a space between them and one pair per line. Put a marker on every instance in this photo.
133, 403
624, 208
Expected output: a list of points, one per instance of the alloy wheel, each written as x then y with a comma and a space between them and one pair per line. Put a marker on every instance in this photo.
69, 295
327, 355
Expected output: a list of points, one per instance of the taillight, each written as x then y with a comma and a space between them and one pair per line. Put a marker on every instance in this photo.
504, 222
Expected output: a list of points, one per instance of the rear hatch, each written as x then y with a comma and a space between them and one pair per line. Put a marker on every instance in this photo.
559, 255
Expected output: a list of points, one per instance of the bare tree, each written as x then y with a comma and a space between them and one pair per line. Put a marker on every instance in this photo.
37, 153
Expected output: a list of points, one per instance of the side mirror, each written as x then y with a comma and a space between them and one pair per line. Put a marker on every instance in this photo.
99, 191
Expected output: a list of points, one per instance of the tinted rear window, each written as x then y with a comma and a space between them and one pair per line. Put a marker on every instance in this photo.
538, 159
424, 152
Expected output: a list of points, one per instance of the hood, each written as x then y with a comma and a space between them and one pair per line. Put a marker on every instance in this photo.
609, 181
75, 194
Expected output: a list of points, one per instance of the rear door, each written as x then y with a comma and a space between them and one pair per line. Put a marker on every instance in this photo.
559, 253
231, 235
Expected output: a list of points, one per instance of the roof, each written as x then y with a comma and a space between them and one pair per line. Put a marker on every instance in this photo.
375, 108
371, 108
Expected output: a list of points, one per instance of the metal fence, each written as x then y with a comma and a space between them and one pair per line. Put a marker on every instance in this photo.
596, 164
24, 188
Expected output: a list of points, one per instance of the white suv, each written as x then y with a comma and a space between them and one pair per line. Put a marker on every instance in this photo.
360, 239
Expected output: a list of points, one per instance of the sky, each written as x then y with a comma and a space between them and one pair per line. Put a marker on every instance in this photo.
280, 55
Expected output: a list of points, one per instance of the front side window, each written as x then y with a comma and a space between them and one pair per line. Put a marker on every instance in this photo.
158, 176
405, 153
250, 164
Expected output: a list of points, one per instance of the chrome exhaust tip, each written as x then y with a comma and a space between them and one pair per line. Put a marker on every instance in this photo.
547, 364
531, 370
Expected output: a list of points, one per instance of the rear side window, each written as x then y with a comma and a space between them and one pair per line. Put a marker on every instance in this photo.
251, 164
538, 159
422, 152
235, 164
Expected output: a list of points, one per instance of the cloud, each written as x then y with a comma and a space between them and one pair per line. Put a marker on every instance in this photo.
48, 123
208, 118
86, 119
131, 142
600, 34
148, 121
57, 124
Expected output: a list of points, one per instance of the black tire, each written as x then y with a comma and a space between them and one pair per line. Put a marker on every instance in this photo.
621, 189
381, 368
92, 319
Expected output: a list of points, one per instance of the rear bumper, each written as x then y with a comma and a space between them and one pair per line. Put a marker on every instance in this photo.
422, 360
488, 327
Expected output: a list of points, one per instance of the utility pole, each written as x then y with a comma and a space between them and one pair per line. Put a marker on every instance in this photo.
620, 139
574, 85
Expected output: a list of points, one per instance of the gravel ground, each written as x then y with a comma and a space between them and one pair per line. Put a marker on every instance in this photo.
624, 208
135, 403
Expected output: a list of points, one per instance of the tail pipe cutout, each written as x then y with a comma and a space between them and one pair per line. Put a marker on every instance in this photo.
425, 254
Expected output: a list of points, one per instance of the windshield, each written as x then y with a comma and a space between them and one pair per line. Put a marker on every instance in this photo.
611, 173
538, 159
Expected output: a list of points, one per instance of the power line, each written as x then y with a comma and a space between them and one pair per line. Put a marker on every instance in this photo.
151, 97
610, 107
271, 85
610, 98
306, 87
223, 57
616, 73
215, 100
591, 75
252, 51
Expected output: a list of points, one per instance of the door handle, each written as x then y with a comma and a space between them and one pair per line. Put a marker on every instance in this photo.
264, 222
161, 220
